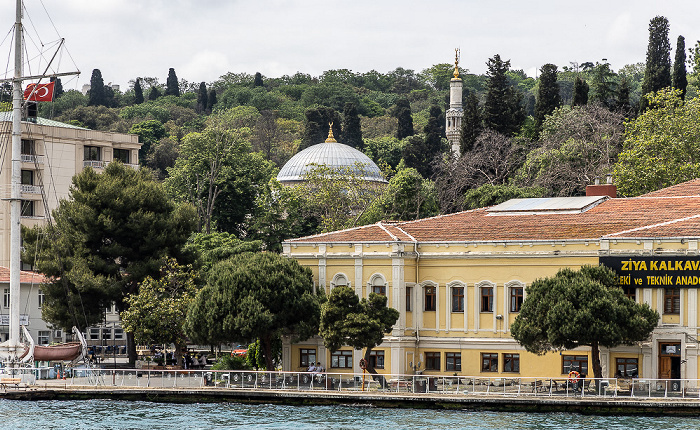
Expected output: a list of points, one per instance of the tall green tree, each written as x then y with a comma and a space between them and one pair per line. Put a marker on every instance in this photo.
115, 229
679, 77
604, 85
471, 124
352, 131
172, 85
580, 97
548, 97
138, 92
149, 132
403, 114
503, 111
581, 308
657, 74
97, 89
421, 152
361, 324
316, 126
58, 87
211, 100
623, 103
202, 98
153, 93
255, 296
257, 80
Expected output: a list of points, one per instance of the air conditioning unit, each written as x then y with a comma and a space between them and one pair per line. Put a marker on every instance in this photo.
58, 333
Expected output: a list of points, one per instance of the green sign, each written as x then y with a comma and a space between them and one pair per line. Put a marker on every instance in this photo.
655, 272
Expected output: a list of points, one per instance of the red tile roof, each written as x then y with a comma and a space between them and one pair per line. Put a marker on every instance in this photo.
657, 214
24, 277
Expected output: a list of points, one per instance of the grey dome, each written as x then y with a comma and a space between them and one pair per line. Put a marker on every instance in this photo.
332, 155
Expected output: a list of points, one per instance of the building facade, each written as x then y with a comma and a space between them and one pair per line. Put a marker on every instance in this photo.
459, 280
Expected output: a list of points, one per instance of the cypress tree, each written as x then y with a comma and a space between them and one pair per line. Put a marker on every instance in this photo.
258, 81
316, 126
202, 98
154, 93
503, 111
471, 124
679, 78
138, 92
57, 87
403, 114
623, 98
657, 74
97, 89
352, 130
604, 86
172, 86
580, 97
211, 100
548, 97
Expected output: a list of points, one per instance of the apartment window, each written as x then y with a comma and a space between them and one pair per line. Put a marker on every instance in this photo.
27, 177
516, 299
122, 155
27, 147
41, 298
672, 300
43, 338
379, 289
630, 292
92, 153
489, 362
409, 292
341, 359
118, 333
306, 357
432, 361
376, 359
453, 361
457, 299
429, 298
511, 363
27, 208
578, 363
486, 299
6, 298
626, 368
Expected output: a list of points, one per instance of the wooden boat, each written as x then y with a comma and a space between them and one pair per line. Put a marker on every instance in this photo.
61, 352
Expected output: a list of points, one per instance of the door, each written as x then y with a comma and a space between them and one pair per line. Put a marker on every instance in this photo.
670, 364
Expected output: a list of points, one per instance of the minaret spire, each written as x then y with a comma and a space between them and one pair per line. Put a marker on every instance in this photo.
453, 116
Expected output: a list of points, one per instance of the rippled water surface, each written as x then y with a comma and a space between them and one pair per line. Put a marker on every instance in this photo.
108, 414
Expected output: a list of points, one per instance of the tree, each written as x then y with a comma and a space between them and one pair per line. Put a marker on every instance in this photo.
679, 78
157, 313
316, 126
172, 86
211, 100
352, 132
580, 93
97, 89
255, 296
138, 92
153, 93
623, 104
491, 195
581, 308
662, 145
218, 246
58, 87
421, 152
161, 157
202, 98
471, 124
657, 74
548, 97
503, 111
604, 85
347, 320
115, 229
258, 80
403, 114
149, 132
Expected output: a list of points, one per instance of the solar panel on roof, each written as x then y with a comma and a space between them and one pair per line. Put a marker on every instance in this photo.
546, 205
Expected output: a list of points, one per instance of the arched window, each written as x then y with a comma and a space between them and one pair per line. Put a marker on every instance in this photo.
377, 284
340, 280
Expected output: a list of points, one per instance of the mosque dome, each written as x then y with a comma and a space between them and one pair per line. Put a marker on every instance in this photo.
333, 155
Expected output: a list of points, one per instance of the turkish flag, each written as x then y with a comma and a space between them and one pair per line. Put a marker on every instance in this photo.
42, 93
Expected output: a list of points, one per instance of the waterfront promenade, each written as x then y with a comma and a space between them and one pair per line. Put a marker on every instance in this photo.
611, 396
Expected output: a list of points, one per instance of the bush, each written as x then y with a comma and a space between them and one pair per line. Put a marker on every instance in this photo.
228, 362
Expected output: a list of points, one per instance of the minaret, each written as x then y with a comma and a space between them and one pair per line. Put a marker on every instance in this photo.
453, 116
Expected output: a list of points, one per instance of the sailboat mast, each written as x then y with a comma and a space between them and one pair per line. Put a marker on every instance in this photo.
15, 196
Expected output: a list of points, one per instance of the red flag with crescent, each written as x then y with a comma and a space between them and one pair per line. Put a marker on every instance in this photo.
42, 92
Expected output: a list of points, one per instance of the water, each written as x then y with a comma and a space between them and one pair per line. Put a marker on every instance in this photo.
109, 414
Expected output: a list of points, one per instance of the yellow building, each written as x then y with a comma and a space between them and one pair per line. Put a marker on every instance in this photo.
458, 281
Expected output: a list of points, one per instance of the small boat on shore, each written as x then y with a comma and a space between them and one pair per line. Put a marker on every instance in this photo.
61, 352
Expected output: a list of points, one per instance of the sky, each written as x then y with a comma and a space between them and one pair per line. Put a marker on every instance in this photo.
204, 39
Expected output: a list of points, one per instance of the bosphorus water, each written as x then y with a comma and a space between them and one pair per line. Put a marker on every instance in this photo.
112, 414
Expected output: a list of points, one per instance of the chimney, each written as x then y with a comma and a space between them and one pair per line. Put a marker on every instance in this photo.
609, 189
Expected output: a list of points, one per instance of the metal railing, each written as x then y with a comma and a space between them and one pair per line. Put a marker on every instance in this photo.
376, 384
27, 158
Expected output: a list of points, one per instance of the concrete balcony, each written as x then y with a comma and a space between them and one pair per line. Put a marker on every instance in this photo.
30, 189
34, 159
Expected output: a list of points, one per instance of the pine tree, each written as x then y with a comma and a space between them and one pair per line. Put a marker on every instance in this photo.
403, 114
623, 98
657, 74
154, 93
211, 100
97, 89
503, 111
172, 86
548, 97
679, 78
57, 87
580, 97
138, 92
316, 126
352, 131
202, 98
258, 81
471, 124
604, 85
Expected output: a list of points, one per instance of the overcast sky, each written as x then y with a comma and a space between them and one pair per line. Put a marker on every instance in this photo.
205, 39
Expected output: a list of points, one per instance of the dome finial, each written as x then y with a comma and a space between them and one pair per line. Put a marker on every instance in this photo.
330, 133
456, 72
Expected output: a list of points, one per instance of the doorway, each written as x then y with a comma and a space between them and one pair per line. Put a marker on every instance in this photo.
670, 363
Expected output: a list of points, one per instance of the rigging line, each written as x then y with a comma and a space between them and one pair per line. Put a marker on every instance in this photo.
49, 17
27, 16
